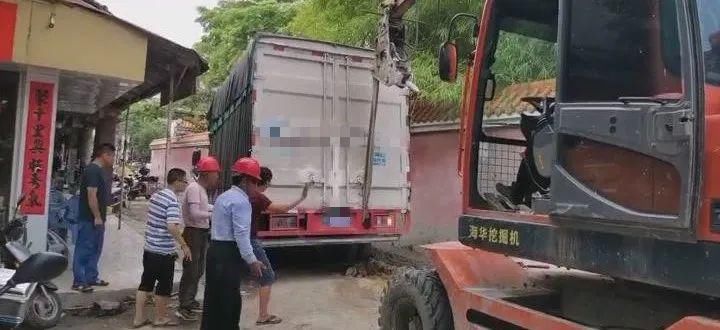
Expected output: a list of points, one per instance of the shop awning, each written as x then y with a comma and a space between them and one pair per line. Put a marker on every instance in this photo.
166, 62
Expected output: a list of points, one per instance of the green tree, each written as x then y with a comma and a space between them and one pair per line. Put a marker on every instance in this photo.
229, 27
345, 22
354, 22
146, 122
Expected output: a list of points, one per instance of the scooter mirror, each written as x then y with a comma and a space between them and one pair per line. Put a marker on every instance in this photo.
40, 267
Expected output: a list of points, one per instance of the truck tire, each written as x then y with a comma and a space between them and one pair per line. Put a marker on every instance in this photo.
415, 300
44, 311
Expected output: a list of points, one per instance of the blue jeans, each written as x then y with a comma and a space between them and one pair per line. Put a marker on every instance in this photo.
74, 229
88, 248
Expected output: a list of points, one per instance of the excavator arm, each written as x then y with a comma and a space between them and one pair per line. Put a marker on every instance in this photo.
392, 63
392, 67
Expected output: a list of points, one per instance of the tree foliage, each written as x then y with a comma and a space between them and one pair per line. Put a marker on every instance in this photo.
229, 27
345, 22
519, 59
146, 122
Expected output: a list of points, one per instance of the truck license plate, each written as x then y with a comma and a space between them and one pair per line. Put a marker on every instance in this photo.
338, 222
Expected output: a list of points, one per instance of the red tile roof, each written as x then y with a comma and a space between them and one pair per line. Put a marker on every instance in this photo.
426, 112
506, 103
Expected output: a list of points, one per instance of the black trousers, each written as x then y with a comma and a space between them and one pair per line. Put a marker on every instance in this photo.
197, 240
223, 302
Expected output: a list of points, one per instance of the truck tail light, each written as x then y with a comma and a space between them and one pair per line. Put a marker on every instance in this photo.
384, 220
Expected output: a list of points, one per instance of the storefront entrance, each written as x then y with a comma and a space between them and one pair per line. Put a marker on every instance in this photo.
9, 82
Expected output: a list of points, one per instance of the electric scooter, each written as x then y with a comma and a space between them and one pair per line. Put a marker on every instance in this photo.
42, 306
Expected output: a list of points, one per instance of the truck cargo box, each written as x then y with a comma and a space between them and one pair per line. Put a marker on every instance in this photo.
301, 107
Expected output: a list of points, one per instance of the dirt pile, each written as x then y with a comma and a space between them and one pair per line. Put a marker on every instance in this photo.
372, 267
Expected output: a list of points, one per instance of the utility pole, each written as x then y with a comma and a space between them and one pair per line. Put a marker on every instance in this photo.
123, 197
168, 130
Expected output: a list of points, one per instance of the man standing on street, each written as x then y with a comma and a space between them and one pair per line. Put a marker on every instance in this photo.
92, 214
230, 245
196, 214
163, 235
260, 205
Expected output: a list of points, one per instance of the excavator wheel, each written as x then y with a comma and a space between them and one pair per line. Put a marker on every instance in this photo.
415, 300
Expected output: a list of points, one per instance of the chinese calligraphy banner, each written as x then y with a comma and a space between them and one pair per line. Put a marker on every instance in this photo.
37, 147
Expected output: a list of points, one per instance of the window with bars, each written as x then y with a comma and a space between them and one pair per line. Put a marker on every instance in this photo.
497, 163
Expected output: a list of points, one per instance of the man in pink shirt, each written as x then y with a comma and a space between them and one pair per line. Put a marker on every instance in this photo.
196, 211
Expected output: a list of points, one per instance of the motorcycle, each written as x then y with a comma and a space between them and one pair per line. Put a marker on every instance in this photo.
142, 185
20, 288
44, 308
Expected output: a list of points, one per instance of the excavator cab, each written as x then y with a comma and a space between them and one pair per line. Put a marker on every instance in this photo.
591, 114
608, 113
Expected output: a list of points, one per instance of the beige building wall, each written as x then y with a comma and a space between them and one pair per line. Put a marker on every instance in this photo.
80, 41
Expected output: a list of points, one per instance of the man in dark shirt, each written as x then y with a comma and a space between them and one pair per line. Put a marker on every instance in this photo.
92, 214
261, 205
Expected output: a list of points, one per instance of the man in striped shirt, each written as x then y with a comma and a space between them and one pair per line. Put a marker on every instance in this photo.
163, 234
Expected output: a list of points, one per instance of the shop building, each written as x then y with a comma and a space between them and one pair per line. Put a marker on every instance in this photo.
68, 68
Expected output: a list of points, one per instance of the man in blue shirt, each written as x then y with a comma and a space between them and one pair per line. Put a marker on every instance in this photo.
229, 248
94, 200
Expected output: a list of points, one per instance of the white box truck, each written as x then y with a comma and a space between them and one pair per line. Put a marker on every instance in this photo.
302, 108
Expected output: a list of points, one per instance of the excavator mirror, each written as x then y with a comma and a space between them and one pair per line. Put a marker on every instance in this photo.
448, 61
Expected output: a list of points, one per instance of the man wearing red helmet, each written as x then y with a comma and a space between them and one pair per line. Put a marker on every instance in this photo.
229, 248
196, 211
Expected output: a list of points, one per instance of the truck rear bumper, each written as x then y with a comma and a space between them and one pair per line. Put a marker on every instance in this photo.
316, 241
344, 225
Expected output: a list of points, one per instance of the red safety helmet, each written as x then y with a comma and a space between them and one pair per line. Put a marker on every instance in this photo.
208, 164
248, 166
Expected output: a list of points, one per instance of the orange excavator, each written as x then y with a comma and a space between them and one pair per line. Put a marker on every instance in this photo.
610, 218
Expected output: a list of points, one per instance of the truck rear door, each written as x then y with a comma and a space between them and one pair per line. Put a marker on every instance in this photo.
311, 117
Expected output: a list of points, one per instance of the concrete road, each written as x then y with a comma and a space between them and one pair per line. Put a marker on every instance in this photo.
309, 293
305, 299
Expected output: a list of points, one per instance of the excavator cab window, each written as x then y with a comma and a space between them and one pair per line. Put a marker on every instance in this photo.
709, 11
521, 62
593, 110
637, 54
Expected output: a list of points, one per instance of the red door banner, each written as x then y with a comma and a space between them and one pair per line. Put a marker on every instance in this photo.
37, 147
8, 18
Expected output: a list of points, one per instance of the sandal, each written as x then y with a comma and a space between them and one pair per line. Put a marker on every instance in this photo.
272, 319
166, 323
142, 324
